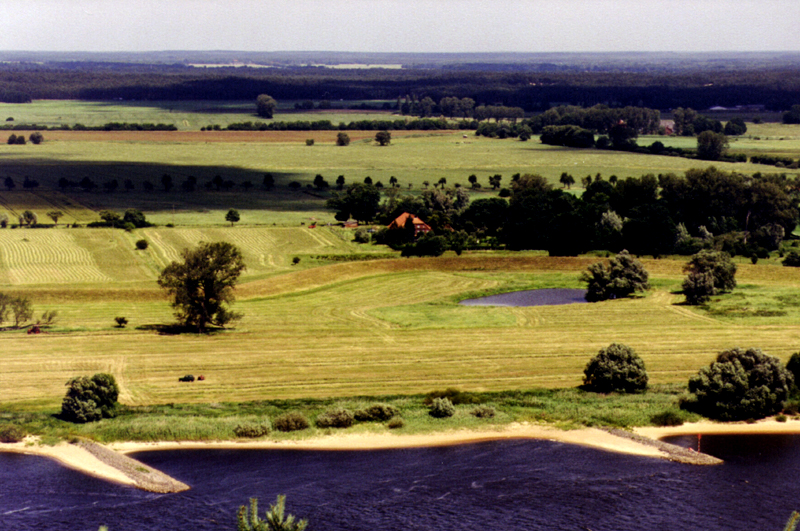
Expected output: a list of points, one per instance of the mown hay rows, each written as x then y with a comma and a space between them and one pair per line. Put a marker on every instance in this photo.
47, 256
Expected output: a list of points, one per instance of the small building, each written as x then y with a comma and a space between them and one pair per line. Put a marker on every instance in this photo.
420, 227
351, 224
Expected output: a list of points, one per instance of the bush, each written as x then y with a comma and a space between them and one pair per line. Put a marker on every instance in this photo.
342, 139
309, 141
335, 418
292, 421
454, 395
376, 413
792, 259
667, 418
361, 236
187, 378
89, 399
615, 368
253, 431
793, 366
121, 321
442, 408
740, 384
483, 412
395, 423
142, 245
10, 433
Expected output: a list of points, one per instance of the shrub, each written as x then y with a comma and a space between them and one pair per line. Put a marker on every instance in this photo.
295, 260
89, 399
792, 259
186, 378
455, 396
395, 423
253, 431
442, 408
361, 236
10, 433
342, 139
292, 421
121, 321
309, 141
667, 418
781, 418
740, 384
36, 137
335, 418
483, 412
615, 368
142, 244
376, 412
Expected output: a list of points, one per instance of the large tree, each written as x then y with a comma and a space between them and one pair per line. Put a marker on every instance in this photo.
89, 399
622, 277
711, 145
202, 285
709, 272
265, 105
359, 201
740, 384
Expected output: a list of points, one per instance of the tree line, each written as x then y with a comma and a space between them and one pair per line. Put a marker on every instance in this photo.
654, 215
776, 88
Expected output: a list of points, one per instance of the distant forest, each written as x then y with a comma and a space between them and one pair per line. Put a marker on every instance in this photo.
531, 81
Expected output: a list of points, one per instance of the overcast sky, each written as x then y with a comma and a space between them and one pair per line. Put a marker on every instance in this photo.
401, 25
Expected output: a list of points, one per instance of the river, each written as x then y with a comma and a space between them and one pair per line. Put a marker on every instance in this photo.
503, 485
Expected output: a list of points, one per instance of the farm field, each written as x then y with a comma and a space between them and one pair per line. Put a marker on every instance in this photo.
374, 328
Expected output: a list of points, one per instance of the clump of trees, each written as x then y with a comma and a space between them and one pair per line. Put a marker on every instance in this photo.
17, 308
709, 272
202, 285
90, 398
615, 368
623, 276
741, 384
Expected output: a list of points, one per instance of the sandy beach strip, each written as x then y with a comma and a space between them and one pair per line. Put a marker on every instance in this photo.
761, 427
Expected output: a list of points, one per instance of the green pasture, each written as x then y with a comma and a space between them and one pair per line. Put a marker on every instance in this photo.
385, 327
412, 160
185, 115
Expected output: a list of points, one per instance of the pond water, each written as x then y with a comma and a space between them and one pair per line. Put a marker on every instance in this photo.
533, 297
511, 485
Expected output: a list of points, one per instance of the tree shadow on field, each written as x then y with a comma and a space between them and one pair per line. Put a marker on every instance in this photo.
177, 329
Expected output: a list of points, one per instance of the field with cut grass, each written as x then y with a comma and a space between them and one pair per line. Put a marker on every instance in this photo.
371, 328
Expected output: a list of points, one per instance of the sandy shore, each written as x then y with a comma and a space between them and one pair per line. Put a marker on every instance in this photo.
81, 459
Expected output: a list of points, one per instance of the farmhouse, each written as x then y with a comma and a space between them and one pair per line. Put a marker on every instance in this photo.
420, 227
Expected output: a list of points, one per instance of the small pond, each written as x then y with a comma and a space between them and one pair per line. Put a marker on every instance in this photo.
532, 297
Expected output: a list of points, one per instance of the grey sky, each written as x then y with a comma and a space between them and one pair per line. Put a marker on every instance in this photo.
401, 26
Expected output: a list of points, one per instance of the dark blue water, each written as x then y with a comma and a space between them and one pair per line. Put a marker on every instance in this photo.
533, 297
506, 485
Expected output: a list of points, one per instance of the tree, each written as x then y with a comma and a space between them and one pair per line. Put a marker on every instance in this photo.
28, 218
275, 519
735, 127
55, 215
359, 201
89, 399
740, 384
709, 273
383, 138
9, 183
202, 285
135, 218
711, 145
111, 218
615, 368
36, 138
342, 139
265, 105
566, 180
622, 277
232, 216
340, 182
166, 182
320, 183
792, 116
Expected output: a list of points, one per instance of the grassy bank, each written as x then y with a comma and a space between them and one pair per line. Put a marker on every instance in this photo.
565, 408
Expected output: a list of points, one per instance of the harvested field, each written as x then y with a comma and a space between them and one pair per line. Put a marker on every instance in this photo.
289, 137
